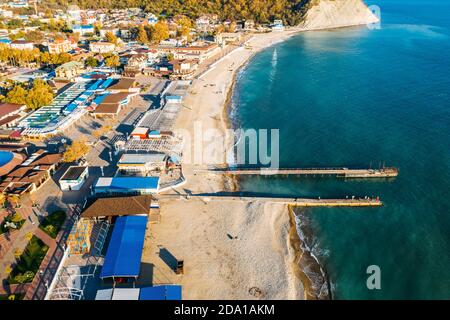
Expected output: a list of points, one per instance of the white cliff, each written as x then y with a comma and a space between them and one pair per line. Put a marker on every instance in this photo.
327, 14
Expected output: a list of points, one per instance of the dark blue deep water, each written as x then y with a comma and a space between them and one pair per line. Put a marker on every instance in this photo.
352, 97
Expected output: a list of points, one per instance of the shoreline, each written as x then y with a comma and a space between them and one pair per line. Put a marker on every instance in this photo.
300, 255
266, 233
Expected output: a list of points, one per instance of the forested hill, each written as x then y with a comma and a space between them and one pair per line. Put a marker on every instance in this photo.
261, 11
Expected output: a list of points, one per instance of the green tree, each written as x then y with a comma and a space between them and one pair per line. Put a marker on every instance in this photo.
160, 31
34, 36
16, 36
91, 62
40, 95
17, 95
76, 151
142, 35
113, 61
185, 26
111, 37
97, 28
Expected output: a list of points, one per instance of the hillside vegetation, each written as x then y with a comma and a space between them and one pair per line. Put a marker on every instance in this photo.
262, 11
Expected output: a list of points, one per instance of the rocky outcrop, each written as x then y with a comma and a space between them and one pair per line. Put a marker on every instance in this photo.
327, 14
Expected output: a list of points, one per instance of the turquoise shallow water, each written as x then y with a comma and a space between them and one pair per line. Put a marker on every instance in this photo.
355, 96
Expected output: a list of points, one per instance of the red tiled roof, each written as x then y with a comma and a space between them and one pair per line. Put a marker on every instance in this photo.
107, 108
123, 84
105, 207
7, 108
9, 119
115, 98
48, 159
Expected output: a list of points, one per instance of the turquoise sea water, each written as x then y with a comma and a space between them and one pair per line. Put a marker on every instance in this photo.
351, 97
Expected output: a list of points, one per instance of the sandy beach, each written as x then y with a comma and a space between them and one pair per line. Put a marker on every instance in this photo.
231, 250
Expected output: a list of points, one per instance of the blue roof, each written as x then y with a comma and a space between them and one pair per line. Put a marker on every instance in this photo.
174, 97
134, 183
107, 83
167, 292
123, 258
99, 99
95, 85
71, 107
84, 26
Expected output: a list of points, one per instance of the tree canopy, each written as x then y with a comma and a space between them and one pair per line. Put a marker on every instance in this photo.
113, 61
76, 151
142, 36
262, 11
39, 95
160, 31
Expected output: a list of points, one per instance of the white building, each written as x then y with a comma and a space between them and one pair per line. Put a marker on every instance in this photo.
141, 163
277, 25
102, 47
152, 19
22, 45
83, 29
60, 46
114, 31
74, 178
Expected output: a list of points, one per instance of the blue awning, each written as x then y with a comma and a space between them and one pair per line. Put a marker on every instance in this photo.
167, 292
123, 258
135, 183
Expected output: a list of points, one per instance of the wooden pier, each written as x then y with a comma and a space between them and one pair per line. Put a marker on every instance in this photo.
337, 172
298, 202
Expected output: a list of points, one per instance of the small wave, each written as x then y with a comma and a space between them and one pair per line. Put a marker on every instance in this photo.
319, 279
428, 31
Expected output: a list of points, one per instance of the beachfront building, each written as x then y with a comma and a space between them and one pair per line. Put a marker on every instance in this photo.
183, 68
109, 208
225, 38
110, 105
197, 52
122, 261
102, 47
141, 164
74, 178
69, 70
163, 292
277, 25
126, 185
10, 114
